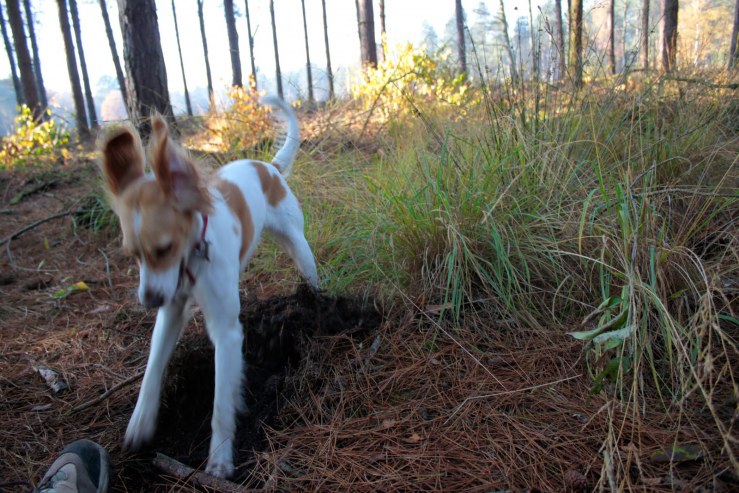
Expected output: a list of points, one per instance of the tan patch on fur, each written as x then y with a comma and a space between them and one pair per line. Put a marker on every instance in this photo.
272, 186
235, 200
164, 229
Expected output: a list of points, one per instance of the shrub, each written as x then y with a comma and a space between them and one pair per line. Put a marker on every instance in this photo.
243, 124
409, 76
32, 138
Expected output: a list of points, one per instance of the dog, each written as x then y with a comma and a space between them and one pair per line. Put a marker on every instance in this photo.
192, 237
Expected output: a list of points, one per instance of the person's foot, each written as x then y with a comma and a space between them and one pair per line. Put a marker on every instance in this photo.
82, 467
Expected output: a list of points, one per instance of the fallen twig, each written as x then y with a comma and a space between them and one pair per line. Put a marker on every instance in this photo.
506, 392
199, 478
108, 393
28, 228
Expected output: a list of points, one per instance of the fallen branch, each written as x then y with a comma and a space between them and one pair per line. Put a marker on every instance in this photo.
198, 478
713, 85
33, 225
108, 393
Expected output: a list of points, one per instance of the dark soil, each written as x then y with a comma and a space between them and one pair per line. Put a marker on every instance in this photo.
280, 331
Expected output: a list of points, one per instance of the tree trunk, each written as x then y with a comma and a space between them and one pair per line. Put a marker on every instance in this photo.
253, 77
74, 77
233, 42
560, 40
645, 34
211, 94
11, 60
83, 65
461, 51
278, 72
383, 32
331, 93
611, 49
114, 53
576, 42
534, 47
182, 64
28, 79
668, 35
311, 99
36, 60
142, 52
733, 54
359, 27
367, 34
508, 46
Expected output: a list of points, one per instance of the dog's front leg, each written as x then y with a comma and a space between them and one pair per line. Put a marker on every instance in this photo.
169, 323
221, 311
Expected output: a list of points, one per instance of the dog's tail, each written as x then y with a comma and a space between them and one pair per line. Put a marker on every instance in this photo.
289, 140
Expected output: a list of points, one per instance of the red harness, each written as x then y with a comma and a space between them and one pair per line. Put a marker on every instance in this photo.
199, 249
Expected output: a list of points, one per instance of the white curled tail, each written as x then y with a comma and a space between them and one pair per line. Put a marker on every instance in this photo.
290, 140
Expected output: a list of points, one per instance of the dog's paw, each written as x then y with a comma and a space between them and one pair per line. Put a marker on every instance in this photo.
140, 428
220, 467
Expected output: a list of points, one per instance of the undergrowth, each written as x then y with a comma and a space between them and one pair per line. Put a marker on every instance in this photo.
609, 212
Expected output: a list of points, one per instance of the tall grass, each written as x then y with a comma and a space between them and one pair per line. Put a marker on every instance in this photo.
612, 212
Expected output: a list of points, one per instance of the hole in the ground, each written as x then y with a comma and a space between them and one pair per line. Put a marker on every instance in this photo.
279, 332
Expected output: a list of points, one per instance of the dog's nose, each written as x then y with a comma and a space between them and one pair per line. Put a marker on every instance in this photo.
152, 299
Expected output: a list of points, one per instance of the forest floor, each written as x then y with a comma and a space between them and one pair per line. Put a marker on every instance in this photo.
343, 394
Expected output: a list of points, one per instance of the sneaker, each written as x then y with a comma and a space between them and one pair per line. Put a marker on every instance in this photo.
83, 467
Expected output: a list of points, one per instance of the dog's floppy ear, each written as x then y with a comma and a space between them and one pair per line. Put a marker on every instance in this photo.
175, 172
123, 158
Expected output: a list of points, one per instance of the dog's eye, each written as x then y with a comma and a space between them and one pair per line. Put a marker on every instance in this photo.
162, 251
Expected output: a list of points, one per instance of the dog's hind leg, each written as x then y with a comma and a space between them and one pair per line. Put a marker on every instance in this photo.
294, 243
167, 329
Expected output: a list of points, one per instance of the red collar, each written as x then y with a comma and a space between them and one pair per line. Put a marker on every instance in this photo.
199, 249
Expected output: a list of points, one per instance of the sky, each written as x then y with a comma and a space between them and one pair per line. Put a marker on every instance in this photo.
405, 20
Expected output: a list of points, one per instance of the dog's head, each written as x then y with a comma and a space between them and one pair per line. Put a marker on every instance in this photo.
157, 213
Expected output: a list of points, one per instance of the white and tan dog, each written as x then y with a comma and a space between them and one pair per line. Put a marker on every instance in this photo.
192, 238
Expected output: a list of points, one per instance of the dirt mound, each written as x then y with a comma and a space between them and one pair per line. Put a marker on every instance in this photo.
280, 331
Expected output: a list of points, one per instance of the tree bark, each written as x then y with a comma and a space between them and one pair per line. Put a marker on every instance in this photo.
11, 60
83, 65
74, 77
28, 79
508, 46
182, 63
645, 34
331, 93
367, 34
233, 42
114, 53
461, 48
311, 99
278, 72
576, 61
142, 52
36, 60
253, 78
611, 50
211, 94
668, 36
734, 53
560, 40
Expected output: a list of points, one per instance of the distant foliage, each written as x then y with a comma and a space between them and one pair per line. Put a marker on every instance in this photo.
244, 123
410, 76
32, 138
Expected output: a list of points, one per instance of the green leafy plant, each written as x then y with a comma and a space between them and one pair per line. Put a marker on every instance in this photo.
33, 138
408, 77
